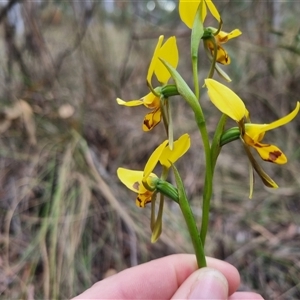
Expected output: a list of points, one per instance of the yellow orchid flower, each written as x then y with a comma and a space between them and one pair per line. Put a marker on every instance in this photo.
168, 52
143, 182
221, 38
254, 133
188, 9
251, 134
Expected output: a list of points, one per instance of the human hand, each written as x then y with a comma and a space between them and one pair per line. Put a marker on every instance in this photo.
172, 277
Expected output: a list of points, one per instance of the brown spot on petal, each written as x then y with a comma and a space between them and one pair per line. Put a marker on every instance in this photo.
136, 185
273, 156
223, 40
148, 124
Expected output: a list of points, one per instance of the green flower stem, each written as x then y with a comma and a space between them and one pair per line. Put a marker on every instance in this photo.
195, 76
187, 94
207, 193
190, 221
217, 141
194, 233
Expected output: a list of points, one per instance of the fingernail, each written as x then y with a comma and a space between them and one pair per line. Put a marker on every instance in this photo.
210, 284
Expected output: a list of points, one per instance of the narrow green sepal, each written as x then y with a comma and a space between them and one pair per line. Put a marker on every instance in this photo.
153, 203
167, 189
157, 226
222, 73
230, 135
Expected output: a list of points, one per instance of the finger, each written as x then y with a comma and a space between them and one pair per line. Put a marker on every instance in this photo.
205, 283
229, 271
245, 296
158, 279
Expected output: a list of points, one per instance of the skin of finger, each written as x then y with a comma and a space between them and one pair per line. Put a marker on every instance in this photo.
157, 279
245, 296
206, 283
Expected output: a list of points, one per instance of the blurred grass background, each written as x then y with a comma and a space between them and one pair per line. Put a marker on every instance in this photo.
66, 220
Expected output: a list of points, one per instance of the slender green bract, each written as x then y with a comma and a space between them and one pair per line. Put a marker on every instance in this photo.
190, 220
197, 33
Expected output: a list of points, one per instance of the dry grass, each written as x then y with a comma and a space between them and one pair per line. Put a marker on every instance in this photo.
65, 218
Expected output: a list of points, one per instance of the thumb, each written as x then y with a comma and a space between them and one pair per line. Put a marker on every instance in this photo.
205, 283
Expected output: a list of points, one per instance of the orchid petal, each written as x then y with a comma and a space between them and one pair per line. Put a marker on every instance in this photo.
143, 199
257, 131
169, 53
132, 179
187, 11
213, 10
180, 147
130, 103
154, 60
270, 153
259, 128
151, 101
234, 33
152, 119
224, 37
225, 100
222, 56
154, 158
266, 179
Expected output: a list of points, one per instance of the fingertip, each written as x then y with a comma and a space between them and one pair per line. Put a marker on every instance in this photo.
229, 271
205, 283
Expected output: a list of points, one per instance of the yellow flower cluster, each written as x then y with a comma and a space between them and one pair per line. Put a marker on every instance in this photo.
163, 66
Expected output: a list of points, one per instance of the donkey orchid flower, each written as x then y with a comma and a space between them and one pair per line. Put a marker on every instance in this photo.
143, 182
251, 134
221, 38
168, 52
